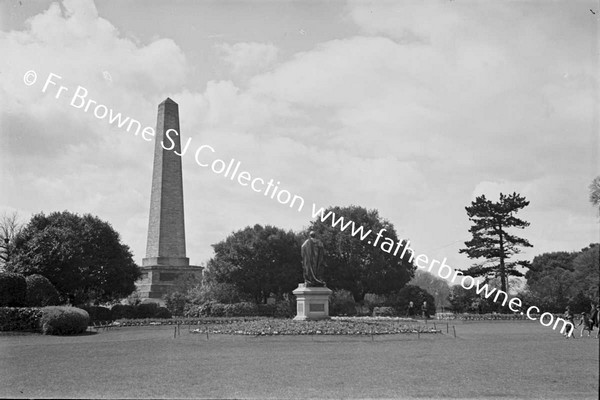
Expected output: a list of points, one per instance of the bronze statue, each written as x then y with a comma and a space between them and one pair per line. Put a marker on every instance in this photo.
312, 261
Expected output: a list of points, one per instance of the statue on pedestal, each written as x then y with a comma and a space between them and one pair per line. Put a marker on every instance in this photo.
312, 261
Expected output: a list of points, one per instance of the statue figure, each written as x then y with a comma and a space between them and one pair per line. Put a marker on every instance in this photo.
312, 261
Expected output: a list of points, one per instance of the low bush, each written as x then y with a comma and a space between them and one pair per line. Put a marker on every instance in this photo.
26, 319
384, 312
120, 311
98, 313
163, 312
13, 290
342, 303
63, 320
146, 310
41, 292
280, 309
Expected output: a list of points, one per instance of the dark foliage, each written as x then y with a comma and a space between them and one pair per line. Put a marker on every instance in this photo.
82, 256
41, 292
13, 290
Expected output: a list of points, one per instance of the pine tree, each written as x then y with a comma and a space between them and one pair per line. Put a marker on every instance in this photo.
491, 239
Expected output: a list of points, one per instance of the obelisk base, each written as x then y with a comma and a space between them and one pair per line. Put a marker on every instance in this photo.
159, 276
312, 303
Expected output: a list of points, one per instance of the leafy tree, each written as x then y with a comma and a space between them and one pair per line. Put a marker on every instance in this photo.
595, 192
586, 271
259, 261
417, 295
357, 265
558, 279
82, 256
438, 287
491, 239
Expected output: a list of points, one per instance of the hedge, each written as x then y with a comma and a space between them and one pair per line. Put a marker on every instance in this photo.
40, 291
384, 312
244, 309
13, 290
63, 320
121, 311
141, 311
98, 313
26, 319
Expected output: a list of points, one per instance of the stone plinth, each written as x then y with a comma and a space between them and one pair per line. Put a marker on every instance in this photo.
312, 303
158, 279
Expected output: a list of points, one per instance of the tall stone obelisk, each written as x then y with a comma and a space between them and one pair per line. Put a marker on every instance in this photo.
165, 252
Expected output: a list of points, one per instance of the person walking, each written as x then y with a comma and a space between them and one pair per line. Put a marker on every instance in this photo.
594, 318
424, 310
410, 310
569, 317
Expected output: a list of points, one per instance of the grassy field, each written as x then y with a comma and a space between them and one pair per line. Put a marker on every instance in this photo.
486, 360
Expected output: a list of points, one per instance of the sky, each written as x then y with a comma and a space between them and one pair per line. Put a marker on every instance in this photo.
411, 108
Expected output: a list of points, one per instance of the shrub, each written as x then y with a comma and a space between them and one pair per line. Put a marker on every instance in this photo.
20, 319
13, 290
63, 320
146, 310
162, 312
342, 303
175, 302
40, 291
97, 313
384, 312
120, 311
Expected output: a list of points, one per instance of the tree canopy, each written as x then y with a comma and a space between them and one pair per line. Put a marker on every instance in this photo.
558, 279
436, 286
491, 238
82, 256
259, 261
357, 265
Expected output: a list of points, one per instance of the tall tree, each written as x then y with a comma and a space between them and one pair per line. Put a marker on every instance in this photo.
361, 266
82, 256
595, 192
259, 261
491, 239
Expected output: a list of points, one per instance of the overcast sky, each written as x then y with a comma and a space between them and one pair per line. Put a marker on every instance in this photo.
411, 108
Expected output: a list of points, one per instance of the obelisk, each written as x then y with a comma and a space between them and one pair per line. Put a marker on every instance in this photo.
165, 251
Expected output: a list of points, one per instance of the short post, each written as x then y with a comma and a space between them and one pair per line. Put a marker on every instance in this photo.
207, 334
454, 328
419, 333
174, 332
434, 327
447, 328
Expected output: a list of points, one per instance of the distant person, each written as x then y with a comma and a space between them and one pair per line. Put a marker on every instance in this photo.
410, 310
595, 318
587, 324
569, 317
424, 310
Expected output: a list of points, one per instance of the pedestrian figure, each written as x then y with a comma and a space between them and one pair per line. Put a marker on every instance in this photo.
595, 318
410, 309
569, 317
424, 310
587, 324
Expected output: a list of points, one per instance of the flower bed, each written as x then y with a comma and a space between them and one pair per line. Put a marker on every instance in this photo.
323, 327
487, 317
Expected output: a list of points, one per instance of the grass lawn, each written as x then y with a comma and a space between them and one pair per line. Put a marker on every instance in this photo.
486, 360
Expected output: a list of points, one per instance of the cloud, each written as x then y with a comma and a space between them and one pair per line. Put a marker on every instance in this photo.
246, 58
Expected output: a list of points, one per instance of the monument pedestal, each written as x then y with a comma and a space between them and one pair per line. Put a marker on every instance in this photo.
159, 275
312, 303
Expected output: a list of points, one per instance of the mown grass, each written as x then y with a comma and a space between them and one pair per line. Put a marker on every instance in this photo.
486, 360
